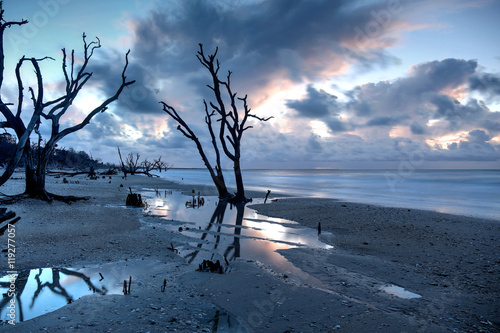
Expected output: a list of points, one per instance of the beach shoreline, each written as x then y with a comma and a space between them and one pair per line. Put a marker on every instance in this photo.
451, 261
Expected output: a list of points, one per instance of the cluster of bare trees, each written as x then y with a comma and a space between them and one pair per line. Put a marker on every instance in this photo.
76, 76
232, 123
132, 165
226, 124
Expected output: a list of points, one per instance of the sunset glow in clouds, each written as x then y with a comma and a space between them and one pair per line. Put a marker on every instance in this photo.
350, 84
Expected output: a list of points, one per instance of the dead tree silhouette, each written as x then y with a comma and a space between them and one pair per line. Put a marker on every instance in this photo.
232, 124
52, 111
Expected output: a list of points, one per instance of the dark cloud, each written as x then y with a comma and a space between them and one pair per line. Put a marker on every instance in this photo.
475, 148
387, 120
166, 141
416, 128
492, 124
313, 145
486, 83
419, 97
457, 113
320, 105
140, 97
437, 75
478, 136
317, 104
424, 82
294, 39
336, 125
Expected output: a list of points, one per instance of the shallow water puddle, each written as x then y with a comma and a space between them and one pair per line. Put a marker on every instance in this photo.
399, 292
231, 232
43, 290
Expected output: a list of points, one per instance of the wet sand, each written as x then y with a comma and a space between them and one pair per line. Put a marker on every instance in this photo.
452, 262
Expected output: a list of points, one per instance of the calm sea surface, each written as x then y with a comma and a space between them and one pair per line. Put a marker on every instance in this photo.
464, 192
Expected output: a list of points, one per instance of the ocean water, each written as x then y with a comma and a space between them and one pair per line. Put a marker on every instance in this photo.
463, 192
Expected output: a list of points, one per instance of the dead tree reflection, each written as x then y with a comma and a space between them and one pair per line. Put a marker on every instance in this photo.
235, 246
20, 283
216, 219
214, 228
55, 286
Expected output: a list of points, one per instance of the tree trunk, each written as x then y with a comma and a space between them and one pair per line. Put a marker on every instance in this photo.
240, 189
220, 184
218, 178
35, 173
35, 184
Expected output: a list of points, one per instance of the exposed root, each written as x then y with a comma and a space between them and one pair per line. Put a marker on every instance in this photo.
45, 196
9, 217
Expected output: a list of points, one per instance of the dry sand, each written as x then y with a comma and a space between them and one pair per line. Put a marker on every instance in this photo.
451, 261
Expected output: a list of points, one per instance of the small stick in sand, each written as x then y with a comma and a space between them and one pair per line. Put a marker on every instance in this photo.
268, 192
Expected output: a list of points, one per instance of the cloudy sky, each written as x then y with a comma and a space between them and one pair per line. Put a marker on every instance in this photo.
350, 84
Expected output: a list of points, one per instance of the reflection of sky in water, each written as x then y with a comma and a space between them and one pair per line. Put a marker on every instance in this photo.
399, 292
232, 232
44, 290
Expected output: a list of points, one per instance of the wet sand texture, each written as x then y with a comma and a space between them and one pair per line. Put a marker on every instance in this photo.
452, 262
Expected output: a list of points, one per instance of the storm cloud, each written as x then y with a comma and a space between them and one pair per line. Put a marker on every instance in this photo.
420, 107
341, 79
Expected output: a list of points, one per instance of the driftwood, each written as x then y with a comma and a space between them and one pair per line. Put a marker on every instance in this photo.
9, 217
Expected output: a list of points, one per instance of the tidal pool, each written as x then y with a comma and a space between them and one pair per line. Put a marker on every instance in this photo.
226, 232
399, 292
42, 290
220, 231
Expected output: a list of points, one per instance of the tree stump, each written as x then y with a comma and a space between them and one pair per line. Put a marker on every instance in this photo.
134, 199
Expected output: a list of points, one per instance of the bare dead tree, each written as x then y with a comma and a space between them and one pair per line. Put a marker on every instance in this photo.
23, 132
131, 163
156, 165
233, 122
216, 174
52, 110
133, 166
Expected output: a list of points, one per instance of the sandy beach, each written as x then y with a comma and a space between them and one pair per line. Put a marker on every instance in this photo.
450, 264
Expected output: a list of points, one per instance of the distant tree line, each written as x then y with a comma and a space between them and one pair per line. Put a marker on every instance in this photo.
7, 148
61, 158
